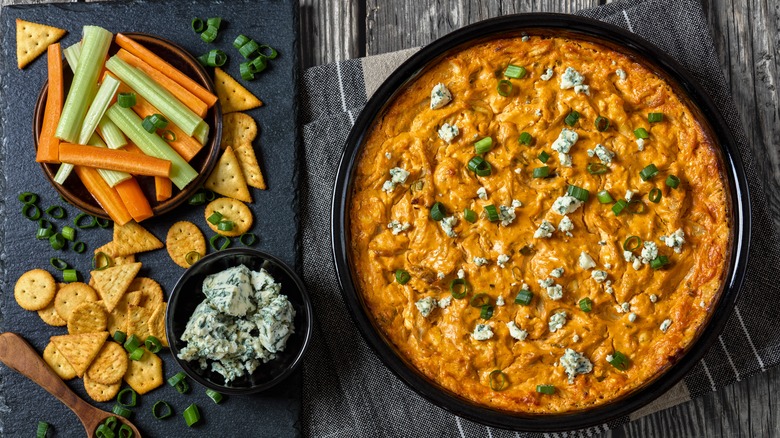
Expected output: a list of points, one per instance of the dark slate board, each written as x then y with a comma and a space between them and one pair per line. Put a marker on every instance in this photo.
276, 214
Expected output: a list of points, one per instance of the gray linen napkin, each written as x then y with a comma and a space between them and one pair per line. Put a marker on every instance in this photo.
349, 392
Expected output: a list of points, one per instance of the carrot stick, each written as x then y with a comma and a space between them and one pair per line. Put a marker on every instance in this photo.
166, 68
48, 143
107, 197
114, 159
163, 188
192, 102
134, 199
184, 145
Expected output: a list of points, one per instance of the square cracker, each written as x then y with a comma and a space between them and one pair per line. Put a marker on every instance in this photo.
111, 283
232, 95
132, 238
249, 166
237, 128
80, 350
32, 39
146, 374
227, 178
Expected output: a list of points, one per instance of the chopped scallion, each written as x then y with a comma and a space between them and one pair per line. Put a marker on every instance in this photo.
571, 118
31, 211
58, 264
137, 354
602, 123
161, 410
498, 380
122, 397
79, 247
619, 361
198, 25
176, 378
402, 277
214, 58
597, 168
56, 241
153, 344
578, 192
484, 145
479, 300
119, 336
43, 430
672, 181
632, 243
79, 221
655, 117
655, 195
470, 215
132, 343
56, 211
214, 395
659, 262
70, 275
191, 415
514, 71
619, 206
121, 411
635, 206
545, 389
648, 172
641, 133
126, 100
28, 198
248, 239
524, 297
459, 288
479, 166
69, 233
525, 138
491, 212
486, 312
543, 156
214, 242
604, 197
438, 211
586, 304
541, 172
225, 225
504, 88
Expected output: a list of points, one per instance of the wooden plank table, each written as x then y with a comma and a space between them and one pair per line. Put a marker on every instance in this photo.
747, 39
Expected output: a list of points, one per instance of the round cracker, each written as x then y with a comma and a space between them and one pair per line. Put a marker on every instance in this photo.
71, 296
49, 314
100, 392
183, 238
231, 210
110, 364
35, 289
58, 363
151, 293
88, 317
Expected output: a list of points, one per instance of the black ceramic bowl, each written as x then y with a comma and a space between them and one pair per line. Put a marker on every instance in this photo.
614, 38
187, 295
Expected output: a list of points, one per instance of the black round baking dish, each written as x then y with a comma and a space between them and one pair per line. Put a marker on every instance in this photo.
561, 26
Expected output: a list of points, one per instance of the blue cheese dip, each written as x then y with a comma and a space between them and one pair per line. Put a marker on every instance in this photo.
243, 322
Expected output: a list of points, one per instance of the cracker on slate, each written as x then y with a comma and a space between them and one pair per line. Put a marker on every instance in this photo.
231, 210
80, 350
49, 313
150, 293
111, 283
110, 364
227, 178
71, 296
146, 374
58, 363
249, 166
157, 324
232, 95
32, 39
132, 238
138, 321
88, 317
99, 392
183, 238
35, 289
237, 128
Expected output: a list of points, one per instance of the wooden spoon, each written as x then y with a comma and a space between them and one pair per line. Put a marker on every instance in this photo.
18, 355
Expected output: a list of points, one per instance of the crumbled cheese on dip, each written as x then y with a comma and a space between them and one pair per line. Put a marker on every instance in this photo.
557, 272
566, 204
516, 332
621, 74
482, 193
502, 259
244, 321
500, 301
653, 298
563, 145
586, 261
566, 225
674, 240
575, 363
447, 223
649, 252
426, 306
445, 302
640, 144
557, 321
547, 75
545, 230
440, 96
507, 214
397, 176
482, 332
598, 275
480, 261
571, 78
603, 154
665, 325
398, 227
448, 132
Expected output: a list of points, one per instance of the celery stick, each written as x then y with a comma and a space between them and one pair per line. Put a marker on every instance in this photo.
111, 177
94, 48
98, 107
111, 133
160, 98
63, 173
72, 54
151, 144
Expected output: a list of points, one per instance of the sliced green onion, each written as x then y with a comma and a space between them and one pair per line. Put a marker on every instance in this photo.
655, 195
240, 41
438, 211
191, 415
248, 49
524, 297
498, 380
192, 257
214, 241
604, 197
28, 197
225, 226
545, 389
641, 133
111, 422
491, 212
104, 431
655, 117
648, 172
268, 51
45, 224
619, 361
161, 410
153, 344
632, 243
119, 336
79, 247
619, 206
571, 118
197, 199
43, 429
470, 215
479, 300
154, 122
31, 211
543, 156
182, 387
483, 145
103, 223
586, 304
514, 71
210, 34
120, 398
125, 431
248, 239
214, 396
210, 196
132, 343
121, 411
525, 138
597, 168
56, 241
168, 135
68, 233
214, 22
659, 262
479, 166
504, 87
126, 100
43, 233
70, 275
58, 264
541, 172
578, 192
602, 123
258, 64
214, 58
672, 181
56, 212
402, 277
102, 261
176, 378
198, 26
245, 69
137, 354
459, 288
80, 224
635, 206
486, 312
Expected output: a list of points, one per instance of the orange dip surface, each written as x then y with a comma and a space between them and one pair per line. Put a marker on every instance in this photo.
601, 321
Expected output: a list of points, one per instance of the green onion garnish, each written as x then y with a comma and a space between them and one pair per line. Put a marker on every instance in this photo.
121, 411
258, 64
543, 156
524, 297
438, 211
70, 275
545, 389
43, 233
191, 415
672, 181
659, 262
541, 172
248, 239
214, 58
132, 343
79, 247
486, 312
655, 117
619, 361
578, 192
28, 197
597, 168
514, 71
58, 264
192, 257
498, 380
214, 395
479, 300
602, 123
120, 398
126, 100
459, 288
225, 226
102, 261
402, 277
125, 431
635, 206
470, 215
214, 240
604, 197
45, 224
168, 135
210, 196
31, 211
197, 26
248, 49
619, 206
161, 410
68, 233
632, 243
197, 199
571, 118
483, 145
56, 212
176, 378
655, 195
103, 223
104, 431
215, 218
504, 88
182, 387
245, 69
154, 122
648, 172
111, 422
479, 166
240, 41
491, 212
268, 51
43, 429
79, 222
525, 138
212, 29
153, 344
57, 241
119, 336
641, 133
586, 304
137, 354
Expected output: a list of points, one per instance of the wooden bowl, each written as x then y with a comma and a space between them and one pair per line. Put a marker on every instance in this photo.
74, 191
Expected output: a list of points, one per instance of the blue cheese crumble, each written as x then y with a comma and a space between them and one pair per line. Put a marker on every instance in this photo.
500, 301
665, 325
230, 291
563, 145
445, 302
603, 154
574, 364
649, 252
632, 317
482, 332
586, 261
566, 204
557, 321
547, 75
426, 306
516, 332
448, 132
397, 176
557, 272
545, 230
640, 144
480, 261
566, 225
653, 298
507, 214
482, 193
598, 275
398, 227
447, 223
571, 78
440, 96
621, 74
674, 240
502, 260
